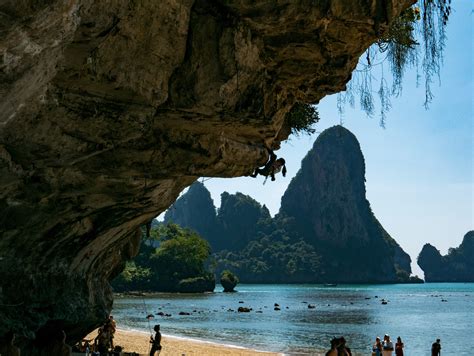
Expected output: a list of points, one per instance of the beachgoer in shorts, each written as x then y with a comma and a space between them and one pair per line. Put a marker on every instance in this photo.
387, 346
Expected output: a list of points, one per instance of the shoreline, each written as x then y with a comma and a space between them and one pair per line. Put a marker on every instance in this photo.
138, 341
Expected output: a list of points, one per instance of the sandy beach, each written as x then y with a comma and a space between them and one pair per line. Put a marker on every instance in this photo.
135, 341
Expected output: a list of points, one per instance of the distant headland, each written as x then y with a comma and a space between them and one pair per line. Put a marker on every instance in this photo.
456, 266
325, 231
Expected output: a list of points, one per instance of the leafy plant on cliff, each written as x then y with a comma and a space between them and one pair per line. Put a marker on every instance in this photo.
398, 45
301, 119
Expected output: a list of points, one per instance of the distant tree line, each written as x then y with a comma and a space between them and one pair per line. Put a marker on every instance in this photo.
173, 259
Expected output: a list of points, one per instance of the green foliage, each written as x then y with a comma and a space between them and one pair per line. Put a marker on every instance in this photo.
181, 255
398, 45
133, 277
197, 284
178, 264
228, 280
301, 118
274, 255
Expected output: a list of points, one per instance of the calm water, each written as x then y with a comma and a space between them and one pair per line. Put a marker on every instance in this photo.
414, 312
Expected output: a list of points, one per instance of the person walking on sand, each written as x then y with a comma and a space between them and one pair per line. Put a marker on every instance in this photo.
399, 347
377, 347
436, 348
387, 346
155, 341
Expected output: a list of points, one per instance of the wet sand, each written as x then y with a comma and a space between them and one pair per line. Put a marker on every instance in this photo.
135, 341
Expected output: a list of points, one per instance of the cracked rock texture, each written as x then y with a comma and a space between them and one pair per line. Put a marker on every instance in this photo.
108, 109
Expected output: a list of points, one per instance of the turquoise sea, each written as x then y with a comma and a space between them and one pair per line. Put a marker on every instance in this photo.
419, 313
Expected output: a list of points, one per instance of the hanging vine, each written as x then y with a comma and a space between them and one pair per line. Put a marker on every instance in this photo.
398, 46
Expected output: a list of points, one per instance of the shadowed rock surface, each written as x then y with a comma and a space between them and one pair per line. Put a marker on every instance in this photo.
231, 228
108, 109
196, 210
327, 200
456, 266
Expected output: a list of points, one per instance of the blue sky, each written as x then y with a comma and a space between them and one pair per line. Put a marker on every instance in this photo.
419, 168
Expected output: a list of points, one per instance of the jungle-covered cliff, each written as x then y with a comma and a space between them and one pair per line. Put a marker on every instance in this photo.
456, 266
325, 230
327, 201
109, 109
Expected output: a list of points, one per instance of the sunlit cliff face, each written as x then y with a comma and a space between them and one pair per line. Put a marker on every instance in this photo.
108, 109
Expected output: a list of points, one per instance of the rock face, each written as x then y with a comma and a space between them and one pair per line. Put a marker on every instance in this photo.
456, 266
110, 108
325, 205
238, 217
328, 203
195, 210
232, 228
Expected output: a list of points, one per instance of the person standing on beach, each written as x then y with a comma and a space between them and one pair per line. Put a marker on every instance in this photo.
387, 346
339, 348
399, 347
104, 339
377, 347
155, 341
436, 348
113, 324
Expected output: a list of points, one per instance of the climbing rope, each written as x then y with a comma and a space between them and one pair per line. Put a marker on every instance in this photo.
148, 320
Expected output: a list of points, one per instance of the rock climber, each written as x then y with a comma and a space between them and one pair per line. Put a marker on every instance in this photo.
272, 167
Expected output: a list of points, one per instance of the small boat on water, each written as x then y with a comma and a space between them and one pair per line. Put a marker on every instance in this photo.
330, 284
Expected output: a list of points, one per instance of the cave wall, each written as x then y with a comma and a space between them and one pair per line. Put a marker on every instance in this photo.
108, 109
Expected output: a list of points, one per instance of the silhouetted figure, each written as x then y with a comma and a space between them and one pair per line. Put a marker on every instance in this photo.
399, 347
113, 324
7, 347
339, 348
148, 228
347, 351
272, 167
155, 341
104, 339
436, 348
58, 345
84, 345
